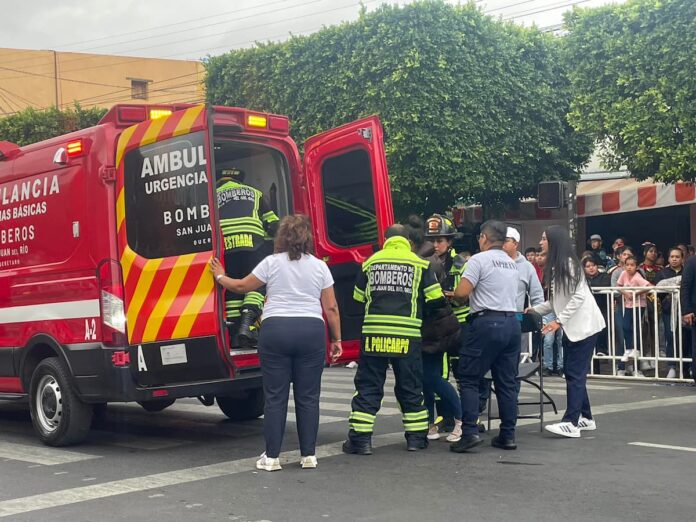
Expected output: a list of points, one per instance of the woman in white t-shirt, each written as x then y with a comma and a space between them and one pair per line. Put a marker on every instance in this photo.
292, 340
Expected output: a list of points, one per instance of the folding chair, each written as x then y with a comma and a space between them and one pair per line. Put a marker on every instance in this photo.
531, 322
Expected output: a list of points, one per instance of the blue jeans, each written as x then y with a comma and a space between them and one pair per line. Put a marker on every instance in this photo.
578, 359
435, 383
492, 343
631, 338
555, 338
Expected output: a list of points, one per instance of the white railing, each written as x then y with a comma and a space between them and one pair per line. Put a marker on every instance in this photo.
652, 346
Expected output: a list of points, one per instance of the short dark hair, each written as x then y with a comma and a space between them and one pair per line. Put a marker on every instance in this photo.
494, 230
529, 250
631, 258
396, 229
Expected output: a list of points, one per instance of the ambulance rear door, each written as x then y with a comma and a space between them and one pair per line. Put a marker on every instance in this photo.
166, 210
351, 206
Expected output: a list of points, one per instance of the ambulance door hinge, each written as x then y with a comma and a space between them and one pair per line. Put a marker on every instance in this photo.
108, 173
366, 133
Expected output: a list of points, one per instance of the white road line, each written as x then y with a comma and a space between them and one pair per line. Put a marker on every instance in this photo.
161, 480
662, 446
41, 454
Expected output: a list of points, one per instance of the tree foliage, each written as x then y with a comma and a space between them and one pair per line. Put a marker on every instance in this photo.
31, 125
632, 67
473, 108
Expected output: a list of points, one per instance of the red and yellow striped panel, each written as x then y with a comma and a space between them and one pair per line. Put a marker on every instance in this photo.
174, 297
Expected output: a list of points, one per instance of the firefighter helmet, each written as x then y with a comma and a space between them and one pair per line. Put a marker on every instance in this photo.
439, 226
229, 174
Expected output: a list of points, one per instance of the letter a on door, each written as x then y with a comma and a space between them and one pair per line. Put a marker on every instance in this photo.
142, 367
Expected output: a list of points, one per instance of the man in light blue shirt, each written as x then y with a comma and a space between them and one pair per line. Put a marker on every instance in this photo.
490, 282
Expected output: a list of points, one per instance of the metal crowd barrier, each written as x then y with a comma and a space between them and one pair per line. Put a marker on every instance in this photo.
650, 362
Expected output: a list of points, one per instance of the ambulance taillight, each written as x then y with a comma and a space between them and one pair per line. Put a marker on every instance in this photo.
111, 292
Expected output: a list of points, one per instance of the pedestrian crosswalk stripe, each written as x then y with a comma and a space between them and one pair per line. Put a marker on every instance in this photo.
41, 454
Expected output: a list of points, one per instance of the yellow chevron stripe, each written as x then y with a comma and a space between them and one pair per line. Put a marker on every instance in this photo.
187, 121
123, 141
153, 131
120, 209
193, 307
127, 259
141, 290
169, 295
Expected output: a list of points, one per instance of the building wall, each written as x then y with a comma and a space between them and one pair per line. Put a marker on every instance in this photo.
43, 79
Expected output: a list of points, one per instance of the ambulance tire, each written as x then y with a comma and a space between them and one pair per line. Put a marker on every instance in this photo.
59, 417
157, 405
245, 408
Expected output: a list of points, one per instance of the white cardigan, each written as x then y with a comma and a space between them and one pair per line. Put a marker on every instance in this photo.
577, 312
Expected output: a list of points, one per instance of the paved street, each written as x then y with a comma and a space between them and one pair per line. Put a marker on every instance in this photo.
190, 463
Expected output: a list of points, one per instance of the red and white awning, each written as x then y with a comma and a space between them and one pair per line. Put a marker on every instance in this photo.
596, 198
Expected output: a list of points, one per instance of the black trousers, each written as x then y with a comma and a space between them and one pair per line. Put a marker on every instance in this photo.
239, 264
369, 391
492, 343
292, 349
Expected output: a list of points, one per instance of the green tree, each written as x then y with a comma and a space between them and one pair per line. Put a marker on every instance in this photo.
31, 125
473, 108
632, 68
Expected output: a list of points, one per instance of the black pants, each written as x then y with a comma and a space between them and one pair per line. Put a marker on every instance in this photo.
492, 343
292, 349
239, 264
578, 356
369, 391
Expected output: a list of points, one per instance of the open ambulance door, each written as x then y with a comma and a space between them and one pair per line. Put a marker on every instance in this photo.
350, 205
166, 210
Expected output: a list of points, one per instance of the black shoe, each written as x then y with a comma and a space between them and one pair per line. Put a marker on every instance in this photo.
505, 444
357, 448
466, 443
416, 442
245, 334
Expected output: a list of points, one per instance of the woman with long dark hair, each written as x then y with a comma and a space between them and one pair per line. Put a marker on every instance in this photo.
292, 341
577, 312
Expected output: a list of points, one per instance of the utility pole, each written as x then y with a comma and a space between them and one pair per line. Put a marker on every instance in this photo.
55, 75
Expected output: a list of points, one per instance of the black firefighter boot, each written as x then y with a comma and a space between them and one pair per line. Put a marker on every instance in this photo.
246, 336
358, 443
416, 440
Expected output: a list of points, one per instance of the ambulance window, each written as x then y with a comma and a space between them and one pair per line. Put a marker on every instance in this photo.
166, 197
349, 199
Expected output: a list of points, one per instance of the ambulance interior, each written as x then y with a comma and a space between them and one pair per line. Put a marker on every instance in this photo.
264, 168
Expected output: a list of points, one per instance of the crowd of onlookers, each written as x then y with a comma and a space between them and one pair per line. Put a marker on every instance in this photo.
636, 310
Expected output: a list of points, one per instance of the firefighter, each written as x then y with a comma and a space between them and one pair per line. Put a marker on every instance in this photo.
440, 232
396, 285
247, 224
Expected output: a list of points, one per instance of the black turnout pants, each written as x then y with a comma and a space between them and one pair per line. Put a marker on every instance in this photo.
292, 349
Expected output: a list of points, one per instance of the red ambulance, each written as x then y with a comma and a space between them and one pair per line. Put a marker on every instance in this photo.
105, 236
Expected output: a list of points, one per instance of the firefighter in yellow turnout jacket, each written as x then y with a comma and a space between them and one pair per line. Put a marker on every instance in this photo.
395, 285
247, 223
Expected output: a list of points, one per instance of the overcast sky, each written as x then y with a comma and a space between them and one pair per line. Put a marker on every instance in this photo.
194, 29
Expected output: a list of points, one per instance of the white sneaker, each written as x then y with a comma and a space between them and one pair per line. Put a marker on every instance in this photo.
672, 373
621, 373
268, 464
663, 353
565, 429
645, 365
433, 432
639, 374
585, 424
628, 354
308, 462
456, 434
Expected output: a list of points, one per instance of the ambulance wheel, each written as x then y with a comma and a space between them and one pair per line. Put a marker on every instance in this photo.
248, 407
158, 405
60, 418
